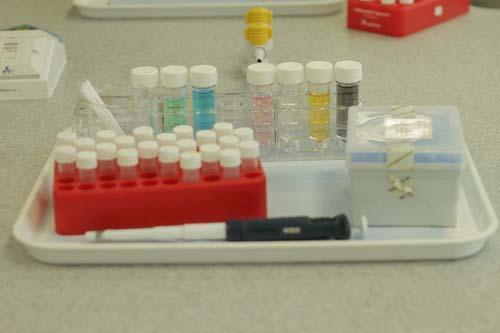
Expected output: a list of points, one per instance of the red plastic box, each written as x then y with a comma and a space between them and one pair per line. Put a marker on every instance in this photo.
153, 201
401, 20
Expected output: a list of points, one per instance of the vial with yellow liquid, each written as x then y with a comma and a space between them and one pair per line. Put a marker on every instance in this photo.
319, 76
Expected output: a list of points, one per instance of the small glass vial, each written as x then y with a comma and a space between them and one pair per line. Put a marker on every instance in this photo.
230, 161
173, 82
127, 163
260, 78
183, 132
203, 82
84, 144
65, 138
186, 145
348, 75
289, 115
190, 166
143, 133
244, 134
166, 139
124, 141
145, 82
106, 159
210, 159
319, 75
249, 156
105, 136
205, 137
229, 141
86, 163
148, 157
169, 162
65, 157
222, 128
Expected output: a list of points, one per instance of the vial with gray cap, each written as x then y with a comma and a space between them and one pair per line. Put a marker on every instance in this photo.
169, 162
148, 155
65, 157
106, 159
348, 75
86, 163
144, 82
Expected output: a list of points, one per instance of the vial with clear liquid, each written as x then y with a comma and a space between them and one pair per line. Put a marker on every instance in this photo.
127, 160
230, 161
203, 82
348, 75
210, 159
190, 166
148, 156
169, 162
249, 156
144, 82
86, 163
173, 82
65, 157
106, 159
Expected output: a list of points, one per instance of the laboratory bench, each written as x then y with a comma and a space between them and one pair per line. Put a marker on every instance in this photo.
455, 63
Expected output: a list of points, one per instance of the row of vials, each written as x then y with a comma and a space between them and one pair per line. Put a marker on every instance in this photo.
223, 152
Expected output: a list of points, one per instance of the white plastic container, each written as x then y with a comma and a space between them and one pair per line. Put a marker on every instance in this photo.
405, 165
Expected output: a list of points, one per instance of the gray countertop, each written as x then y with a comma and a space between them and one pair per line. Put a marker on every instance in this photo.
455, 63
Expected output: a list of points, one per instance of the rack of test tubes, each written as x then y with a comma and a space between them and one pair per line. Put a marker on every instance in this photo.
143, 180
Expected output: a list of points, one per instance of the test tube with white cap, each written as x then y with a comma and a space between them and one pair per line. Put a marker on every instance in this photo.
166, 139
183, 132
105, 136
65, 138
210, 159
205, 136
148, 154
127, 163
186, 145
229, 141
223, 128
249, 156
143, 133
106, 159
145, 82
169, 161
84, 144
230, 161
190, 165
244, 133
124, 141
65, 157
86, 163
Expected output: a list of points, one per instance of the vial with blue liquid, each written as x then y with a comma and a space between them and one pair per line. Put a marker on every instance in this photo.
203, 82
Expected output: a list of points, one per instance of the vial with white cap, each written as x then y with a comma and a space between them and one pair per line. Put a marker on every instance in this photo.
186, 145
183, 132
203, 82
124, 141
86, 163
84, 144
106, 159
190, 165
289, 115
144, 82
223, 128
173, 81
244, 133
166, 139
148, 156
105, 136
143, 133
210, 159
169, 162
406, 2
388, 2
249, 156
230, 161
127, 163
260, 79
229, 141
319, 76
205, 136
65, 138
348, 75
65, 157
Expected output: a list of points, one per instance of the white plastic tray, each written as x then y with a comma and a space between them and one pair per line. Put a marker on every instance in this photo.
315, 188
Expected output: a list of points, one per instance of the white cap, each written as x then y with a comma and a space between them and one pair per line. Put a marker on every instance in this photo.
183, 132
223, 128
84, 144
249, 149
144, 77
65, 138
407, 2
290, 73
203, 76
173, 76
261, 74
124, 141
186, 145
65, 154
228, 141
319, 72
147, 149
230, 158
388, 2
206, 136
105, 136
86, 160
348, 71
127, 157
190, 160
169, 154
143, 133
244, 133
210, 152
166, 139
106, 151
